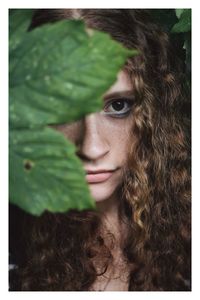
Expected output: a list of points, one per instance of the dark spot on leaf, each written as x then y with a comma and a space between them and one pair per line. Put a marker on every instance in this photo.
28, 165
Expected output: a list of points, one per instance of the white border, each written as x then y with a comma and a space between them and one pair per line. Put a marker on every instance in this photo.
4, 142
100, 4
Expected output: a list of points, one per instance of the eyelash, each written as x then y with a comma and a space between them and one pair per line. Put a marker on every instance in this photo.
118, 114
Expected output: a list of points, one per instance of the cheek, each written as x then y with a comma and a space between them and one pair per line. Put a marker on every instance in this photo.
122, 150
119, 131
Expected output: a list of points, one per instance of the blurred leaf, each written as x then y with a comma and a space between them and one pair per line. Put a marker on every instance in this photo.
184, 23
183, 29
19, 21
59, 73
187, 47
179, 12
45, 174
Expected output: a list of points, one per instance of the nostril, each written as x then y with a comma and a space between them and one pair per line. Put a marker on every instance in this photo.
91, 155
81, 155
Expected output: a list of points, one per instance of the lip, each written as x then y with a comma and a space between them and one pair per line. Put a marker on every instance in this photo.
98, 176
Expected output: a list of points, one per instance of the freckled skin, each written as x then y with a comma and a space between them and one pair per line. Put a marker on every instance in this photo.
103, 143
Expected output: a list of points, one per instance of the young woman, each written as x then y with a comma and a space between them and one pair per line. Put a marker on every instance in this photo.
136, 156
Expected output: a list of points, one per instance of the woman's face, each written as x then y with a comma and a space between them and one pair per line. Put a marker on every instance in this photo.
103, 139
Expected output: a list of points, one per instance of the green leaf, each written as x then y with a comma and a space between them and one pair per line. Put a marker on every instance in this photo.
184, 23
187, 47
179, 12
19, 21
45, 173
59, 73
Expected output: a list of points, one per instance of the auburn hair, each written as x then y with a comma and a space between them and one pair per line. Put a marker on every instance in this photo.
67, 252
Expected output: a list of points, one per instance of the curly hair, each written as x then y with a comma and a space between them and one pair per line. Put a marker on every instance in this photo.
67, 252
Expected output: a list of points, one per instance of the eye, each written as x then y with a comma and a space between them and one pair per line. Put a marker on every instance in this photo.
118, 107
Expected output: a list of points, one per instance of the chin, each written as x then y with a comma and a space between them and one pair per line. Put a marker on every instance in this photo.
100, 192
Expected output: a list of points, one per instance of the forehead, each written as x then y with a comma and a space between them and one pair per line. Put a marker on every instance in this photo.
122, 84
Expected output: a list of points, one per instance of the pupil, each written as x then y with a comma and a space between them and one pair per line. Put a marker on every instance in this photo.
118, 105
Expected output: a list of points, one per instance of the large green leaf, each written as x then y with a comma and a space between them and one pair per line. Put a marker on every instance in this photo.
45, 174
58, 74
19, 21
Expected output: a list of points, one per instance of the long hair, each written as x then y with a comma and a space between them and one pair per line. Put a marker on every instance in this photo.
68, 251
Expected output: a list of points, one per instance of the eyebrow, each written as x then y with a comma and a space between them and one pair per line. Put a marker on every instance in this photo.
121, 94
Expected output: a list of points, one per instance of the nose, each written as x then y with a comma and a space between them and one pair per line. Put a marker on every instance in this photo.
94, 144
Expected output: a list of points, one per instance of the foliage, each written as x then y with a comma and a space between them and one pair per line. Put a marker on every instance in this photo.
58, 74
184, 26
184, 22
177, 23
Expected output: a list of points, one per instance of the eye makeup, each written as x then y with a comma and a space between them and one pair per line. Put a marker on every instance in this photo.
118, 105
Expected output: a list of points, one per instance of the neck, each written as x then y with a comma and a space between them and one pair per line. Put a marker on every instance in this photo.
109, 206
116, 276
109, 210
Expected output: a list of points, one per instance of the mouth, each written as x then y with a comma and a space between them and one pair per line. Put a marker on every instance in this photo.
98, 176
